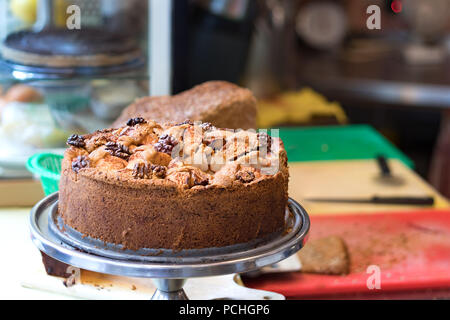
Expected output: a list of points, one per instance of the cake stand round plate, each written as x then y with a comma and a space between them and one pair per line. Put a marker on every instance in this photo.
169, 269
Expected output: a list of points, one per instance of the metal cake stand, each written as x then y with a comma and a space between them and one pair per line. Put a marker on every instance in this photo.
169, 269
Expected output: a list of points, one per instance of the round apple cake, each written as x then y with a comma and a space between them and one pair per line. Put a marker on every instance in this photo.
174, 186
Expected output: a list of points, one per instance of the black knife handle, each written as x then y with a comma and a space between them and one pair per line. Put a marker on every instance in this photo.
384, 166
417, 201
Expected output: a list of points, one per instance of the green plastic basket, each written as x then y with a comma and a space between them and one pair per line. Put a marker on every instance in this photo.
48, 167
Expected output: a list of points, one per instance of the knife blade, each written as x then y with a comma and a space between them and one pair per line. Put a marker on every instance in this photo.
417, 201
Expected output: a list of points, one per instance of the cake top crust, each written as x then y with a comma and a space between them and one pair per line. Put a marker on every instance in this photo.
187, 155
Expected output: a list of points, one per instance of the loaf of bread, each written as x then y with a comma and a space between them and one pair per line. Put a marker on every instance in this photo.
221, 103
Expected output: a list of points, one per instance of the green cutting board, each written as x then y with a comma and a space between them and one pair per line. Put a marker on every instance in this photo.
338, 143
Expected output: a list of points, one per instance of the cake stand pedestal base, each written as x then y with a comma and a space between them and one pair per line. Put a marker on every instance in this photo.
169, 289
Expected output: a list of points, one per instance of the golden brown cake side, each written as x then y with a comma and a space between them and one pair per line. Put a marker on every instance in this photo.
223, 104
161, 217
123, 187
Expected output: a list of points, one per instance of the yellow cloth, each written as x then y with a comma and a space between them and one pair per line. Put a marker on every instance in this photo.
297, 107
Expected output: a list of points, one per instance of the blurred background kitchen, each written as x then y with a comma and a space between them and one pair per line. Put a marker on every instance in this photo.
359, 90
310, 63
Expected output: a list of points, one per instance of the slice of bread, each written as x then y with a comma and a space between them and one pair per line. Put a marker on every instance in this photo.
221, 103
327, 255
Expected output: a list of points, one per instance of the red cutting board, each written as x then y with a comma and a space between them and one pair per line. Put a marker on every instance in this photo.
411, 249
